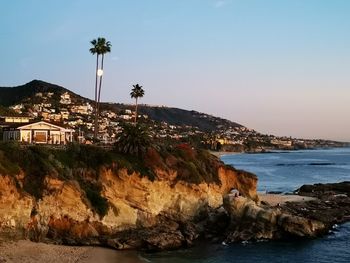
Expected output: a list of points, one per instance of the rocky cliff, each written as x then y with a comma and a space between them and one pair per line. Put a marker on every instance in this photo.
141, 211
91, 196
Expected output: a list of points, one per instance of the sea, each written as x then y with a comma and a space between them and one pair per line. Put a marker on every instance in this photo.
282, 172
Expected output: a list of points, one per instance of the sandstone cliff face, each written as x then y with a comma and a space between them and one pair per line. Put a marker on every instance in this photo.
134, 202
15, 207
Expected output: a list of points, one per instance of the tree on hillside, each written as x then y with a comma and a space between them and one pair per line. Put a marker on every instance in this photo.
99, 47
136, 92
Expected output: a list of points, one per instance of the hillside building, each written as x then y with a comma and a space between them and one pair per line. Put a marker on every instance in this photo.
15, 119
38, 133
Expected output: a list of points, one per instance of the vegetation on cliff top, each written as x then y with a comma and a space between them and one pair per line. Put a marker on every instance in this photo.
83, 164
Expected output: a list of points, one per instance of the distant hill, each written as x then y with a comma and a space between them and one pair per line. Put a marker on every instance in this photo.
27, 93
15, 95
177, 116
42, 100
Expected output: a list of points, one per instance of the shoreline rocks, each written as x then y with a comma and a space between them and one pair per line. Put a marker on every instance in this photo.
250, 221
330, 206
324, 205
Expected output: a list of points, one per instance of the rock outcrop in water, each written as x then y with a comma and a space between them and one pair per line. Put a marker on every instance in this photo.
250, 221
331, 205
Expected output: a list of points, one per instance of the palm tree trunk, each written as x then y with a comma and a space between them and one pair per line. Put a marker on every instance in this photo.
95, 132
135, 111
99, 88
96, 78
98, 100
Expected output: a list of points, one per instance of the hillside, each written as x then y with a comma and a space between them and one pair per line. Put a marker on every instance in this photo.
176, 116
27, 93
44, 101
19, 94
184, 117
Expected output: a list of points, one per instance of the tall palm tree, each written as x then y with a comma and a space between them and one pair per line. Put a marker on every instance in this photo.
95, 50
105, 47
100, 47
136, 93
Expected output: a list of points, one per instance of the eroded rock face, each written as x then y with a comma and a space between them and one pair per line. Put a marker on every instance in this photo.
15, 207
252, 222
142, 213
138, 200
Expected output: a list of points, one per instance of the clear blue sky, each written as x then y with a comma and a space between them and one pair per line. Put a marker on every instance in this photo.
278, 66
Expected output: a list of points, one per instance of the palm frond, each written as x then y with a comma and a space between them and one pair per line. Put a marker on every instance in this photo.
137, 91
100, 46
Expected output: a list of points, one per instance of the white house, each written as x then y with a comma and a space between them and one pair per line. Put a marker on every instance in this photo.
41, 132
65, 98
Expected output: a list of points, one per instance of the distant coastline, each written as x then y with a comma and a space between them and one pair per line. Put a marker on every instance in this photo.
219, 154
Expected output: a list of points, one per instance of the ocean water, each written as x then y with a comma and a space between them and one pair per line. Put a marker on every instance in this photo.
285, 172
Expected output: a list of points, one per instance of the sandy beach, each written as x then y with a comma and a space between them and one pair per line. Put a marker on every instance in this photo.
275, 199
25, 251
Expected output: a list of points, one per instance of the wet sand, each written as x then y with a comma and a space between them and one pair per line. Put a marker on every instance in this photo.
275, 199
24, 251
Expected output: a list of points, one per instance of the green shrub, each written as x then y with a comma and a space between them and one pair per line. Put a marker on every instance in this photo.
134, 140
84, 156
